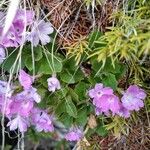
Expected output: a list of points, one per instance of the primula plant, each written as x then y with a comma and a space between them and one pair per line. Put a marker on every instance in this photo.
69, 90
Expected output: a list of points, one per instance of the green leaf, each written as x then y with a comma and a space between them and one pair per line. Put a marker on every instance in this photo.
52, 99
36, 136
43, 93
49, 65
62, 93
110, 68
118, 67
70, 64
28, 63
38, 53
118, 70
71, 73
82, 117
121, 72
67, 77
27, 56
70, 107
43, 80
96, 66
93, 37
66, 120
10, 60
110, 81
71, 77
101, 130
60, 108
81, 89
73, 95
78, 75
90, 132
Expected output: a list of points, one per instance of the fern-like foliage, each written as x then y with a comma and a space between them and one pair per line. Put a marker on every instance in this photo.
128, 40
78, 49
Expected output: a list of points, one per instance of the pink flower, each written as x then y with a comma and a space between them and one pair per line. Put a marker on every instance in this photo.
104, 100
30, 94
133, 98
53, 84
4, 100
42, 121
75, 134
19, 28
123, 112
21, 107
6, 89
20, 123
3, 87
108, 103
25, 15
14, 36
11, 39
25, 80
39, 32
98, 111
1, 102
99, 90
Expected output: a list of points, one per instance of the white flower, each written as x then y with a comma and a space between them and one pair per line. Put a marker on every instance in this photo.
53, 84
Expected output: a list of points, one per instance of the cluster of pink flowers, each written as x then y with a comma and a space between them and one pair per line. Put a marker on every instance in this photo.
21, 108
15, 34
105, 101
25, 21
24, 28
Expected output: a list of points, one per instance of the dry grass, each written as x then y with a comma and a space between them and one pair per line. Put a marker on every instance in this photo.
138, 137
79, 20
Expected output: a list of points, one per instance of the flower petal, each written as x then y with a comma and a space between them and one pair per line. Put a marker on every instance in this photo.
25, 80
